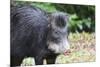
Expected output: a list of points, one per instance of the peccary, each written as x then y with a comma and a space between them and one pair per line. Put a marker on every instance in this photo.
37, 33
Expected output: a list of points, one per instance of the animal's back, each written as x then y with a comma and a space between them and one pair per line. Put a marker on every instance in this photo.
28, 27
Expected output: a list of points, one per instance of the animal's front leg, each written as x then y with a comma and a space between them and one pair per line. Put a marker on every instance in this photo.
51, 59
38, 60
15, 61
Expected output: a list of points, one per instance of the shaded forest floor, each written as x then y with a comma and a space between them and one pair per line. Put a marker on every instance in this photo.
82, 50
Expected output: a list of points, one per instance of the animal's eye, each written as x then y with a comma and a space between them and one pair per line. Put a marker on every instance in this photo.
56, 32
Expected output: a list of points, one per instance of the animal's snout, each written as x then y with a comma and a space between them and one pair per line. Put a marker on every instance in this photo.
67, 52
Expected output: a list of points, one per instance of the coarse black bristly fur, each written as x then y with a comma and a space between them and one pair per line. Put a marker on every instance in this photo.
30, 31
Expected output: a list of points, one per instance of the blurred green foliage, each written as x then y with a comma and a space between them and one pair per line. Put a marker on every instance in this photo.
81, 17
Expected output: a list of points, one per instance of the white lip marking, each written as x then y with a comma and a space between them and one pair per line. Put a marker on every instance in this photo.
60, 47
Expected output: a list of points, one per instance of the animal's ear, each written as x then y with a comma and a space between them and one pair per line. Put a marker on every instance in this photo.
67, 17
49, 17
59, 19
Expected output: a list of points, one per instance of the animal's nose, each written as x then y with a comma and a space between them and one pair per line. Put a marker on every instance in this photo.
67, 52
